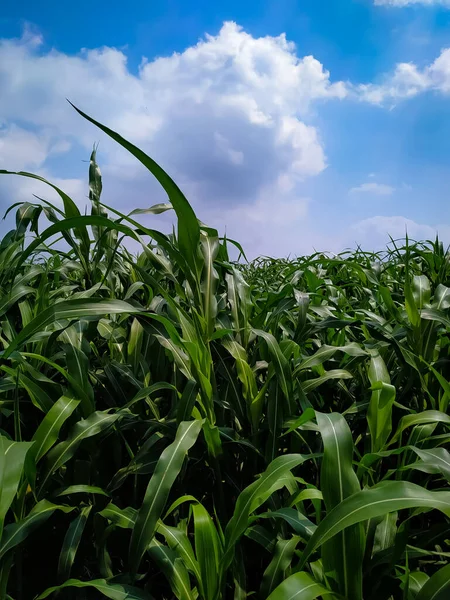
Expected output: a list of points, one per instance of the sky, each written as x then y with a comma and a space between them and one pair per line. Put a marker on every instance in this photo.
290, 125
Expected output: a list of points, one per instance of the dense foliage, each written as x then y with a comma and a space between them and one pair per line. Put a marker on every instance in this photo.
176, 425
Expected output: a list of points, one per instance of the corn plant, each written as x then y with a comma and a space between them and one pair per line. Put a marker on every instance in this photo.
175, 424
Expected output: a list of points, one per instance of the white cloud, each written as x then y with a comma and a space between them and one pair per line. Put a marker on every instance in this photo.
228, 108
379, 189
373, 233
229, 118
402, 3
17, 189
269, 226
21, 149
408, 80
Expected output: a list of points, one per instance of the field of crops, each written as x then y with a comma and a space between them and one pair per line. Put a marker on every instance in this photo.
178, 425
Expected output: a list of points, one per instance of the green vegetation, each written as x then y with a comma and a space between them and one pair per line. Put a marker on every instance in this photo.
176, 425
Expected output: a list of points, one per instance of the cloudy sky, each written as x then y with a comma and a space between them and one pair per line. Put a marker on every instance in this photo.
290, 125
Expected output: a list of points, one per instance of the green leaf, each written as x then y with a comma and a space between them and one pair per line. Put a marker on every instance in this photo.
80, 489
430, 314
385, 532
173, 568
307, 416
15, 533
166, 471
256, 494
280, 363
17, 292
414, 580
69, 309
178, 540
135, 344
47, 433
121, 517
62, 452
156, 209
187, 401
437, 587
325, 352
435, 460
383, 498
188, 226
343, 554
70, 208
12, 460
299, 586
115, 591
312, 384
379, 413
261, 536
74, 223
410, 302
299, 523
95, 190
244, 371
421, 290
427, 416
38, 395
148, 391
275, 572
210, 278
441, 297
71, 542
78, 368
208, 552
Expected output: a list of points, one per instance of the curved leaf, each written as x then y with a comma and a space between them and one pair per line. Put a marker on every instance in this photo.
69, 309
47, 433
379, 412
167, 469
282, 557
173, 568
71, 542
15, 533
255, 495
427, 416
178, 540
299, 586
343, 554
12, 460
188, 226
299, 523
437, 587
312, 384
86, 428
383, 498
208, 551
115, 591
121, 517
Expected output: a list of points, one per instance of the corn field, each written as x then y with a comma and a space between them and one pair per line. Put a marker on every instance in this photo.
175, 424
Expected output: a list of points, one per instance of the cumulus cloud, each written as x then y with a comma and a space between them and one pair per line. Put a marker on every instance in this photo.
378, 189
21, 148
227, 114
229, 118
271, 228
374, 232
408, 80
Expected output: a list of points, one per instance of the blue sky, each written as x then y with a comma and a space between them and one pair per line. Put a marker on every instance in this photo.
291, 125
